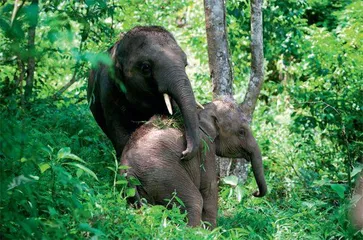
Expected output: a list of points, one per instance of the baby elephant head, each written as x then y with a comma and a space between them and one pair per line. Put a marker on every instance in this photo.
224, 122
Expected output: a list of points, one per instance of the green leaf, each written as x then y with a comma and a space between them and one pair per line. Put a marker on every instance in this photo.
357, 170
122, 167
52, 211
134, 181
84, 168
339, 189
113, 170
179, 201
44, 167
122, 182
122, 87
239, 192
231, 180
65, 153
74, 157
79, 173
130, 192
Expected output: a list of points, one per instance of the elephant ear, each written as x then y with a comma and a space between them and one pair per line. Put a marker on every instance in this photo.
116, 71
113, 54
208, 121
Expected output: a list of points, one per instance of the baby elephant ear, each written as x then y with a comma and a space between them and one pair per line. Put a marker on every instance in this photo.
208, 123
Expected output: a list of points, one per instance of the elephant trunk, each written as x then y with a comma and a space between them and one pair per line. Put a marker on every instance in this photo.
181, 91
257, 168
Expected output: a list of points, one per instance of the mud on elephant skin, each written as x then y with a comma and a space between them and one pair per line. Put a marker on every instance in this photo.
153, 156
147, 75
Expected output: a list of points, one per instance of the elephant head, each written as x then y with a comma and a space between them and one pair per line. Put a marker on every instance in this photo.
224, 122
150, 70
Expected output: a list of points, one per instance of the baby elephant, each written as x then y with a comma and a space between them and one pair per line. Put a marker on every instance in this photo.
154, 151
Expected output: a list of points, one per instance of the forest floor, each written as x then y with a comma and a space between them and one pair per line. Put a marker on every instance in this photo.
60, 179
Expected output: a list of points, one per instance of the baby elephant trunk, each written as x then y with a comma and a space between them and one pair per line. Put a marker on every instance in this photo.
257, 168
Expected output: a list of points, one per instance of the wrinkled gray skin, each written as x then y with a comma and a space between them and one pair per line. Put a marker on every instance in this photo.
147, 62
153, 155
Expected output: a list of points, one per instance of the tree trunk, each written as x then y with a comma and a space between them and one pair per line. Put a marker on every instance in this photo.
221, 70
221, 74
257, 59
31, 50
19, 81
219, 63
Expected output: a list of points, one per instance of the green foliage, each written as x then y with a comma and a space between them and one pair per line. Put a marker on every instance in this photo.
59, 175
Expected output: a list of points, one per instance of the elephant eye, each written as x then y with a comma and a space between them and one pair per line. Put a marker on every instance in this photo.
145, 68
242, 132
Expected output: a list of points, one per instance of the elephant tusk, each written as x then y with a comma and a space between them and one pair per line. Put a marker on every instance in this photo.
199, 105
113, 53
168, 103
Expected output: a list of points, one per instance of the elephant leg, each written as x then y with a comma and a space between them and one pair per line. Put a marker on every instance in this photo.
167, 180
210, 204
97, 113
191, 198
194, 210
117, 133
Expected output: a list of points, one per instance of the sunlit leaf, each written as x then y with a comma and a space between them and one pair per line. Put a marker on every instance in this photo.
84, 168
122, 167
44, 167
231, 180
65, 153
130, 192
239, 192
122, 182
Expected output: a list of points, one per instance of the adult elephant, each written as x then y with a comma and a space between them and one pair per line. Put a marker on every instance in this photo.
152, 155
147, 76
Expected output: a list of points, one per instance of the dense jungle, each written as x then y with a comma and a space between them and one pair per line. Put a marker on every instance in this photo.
59, 174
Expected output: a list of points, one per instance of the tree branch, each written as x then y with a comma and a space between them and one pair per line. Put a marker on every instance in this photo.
257, 58
74, 76
70, 83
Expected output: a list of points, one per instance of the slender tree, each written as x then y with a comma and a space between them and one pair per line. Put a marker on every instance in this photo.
31, 50
221, 70
257, 59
